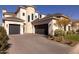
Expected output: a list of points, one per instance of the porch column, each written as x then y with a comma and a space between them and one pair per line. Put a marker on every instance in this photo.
21, 29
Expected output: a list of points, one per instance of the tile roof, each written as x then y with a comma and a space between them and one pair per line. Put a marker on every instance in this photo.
13, 19
48, 18
60, 14
9, 13
44, 20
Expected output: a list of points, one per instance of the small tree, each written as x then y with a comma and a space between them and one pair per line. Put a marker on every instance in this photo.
3, 40
63, 22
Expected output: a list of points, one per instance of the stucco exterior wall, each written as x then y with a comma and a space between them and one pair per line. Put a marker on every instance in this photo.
20, 14
52, 26
43, 16
30, 28
75, 27
6, 26
30, 11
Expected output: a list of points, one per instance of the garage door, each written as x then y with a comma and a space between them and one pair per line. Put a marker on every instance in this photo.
41, 29
14, 29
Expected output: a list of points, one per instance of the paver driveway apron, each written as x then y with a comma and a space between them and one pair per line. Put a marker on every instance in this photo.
34, 43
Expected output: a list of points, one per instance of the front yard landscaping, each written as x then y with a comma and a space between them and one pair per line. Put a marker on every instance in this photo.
70, 38
74, 37
3, 41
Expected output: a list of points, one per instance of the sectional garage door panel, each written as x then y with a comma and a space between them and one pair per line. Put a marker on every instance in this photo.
14, 29
41, 29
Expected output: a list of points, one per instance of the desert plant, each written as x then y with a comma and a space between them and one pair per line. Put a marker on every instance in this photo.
3, 40
77, 31
51, 37
58, 39
59, 32
70, 32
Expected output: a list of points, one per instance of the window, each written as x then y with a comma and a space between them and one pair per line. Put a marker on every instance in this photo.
32, 16
28, 18
40, 16
35, 16
58, 16
64, 28
69, 28
23, 14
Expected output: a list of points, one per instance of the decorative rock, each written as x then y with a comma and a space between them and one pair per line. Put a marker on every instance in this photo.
68, 42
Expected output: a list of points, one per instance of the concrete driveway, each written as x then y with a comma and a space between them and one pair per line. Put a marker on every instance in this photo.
35, 44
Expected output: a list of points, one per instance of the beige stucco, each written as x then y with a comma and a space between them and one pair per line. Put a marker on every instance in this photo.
43, 16
30, 11
52, 26
20, 14
30, 28
76, 26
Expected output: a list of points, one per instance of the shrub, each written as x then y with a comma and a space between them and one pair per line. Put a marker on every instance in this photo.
3, 40
70, 32
50, 37
59, 32
77, 31
58, 39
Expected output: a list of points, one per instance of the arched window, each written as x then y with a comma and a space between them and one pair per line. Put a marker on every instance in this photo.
40, 16
23, 14
32, 16
35, 16
28, 18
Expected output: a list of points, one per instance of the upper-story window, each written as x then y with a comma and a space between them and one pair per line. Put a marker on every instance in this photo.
40, 16
28, 18
58, 16
69, 28
35, 16
32, 16
23, 14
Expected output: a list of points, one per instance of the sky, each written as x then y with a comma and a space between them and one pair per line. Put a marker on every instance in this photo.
70, 10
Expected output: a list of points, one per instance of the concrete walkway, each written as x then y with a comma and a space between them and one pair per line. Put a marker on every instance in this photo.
35, 44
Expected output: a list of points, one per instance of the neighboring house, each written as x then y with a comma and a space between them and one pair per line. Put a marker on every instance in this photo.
75, 25
27, 20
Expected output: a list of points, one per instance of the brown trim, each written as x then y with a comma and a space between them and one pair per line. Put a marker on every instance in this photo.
13, 19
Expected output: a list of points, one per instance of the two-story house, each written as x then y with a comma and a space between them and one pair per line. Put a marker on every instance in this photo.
27, 20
